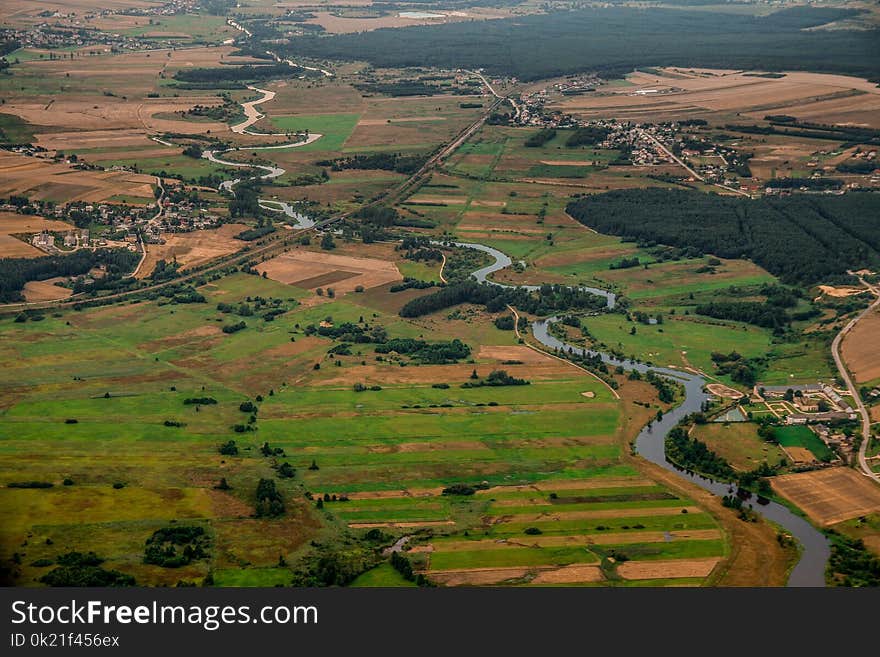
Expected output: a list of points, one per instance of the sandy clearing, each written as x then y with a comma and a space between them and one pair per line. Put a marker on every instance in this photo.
46, 290
831, 495
861, 348
667, 569
841, 291
721, 390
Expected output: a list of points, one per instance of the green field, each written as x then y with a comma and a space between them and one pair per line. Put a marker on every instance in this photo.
801, 436
739, 444
122, 374
335, 128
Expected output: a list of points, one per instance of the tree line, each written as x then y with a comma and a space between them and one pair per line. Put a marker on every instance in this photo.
801, 239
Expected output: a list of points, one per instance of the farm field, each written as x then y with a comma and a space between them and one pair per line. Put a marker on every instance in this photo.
16, 224
739, 444
831, 495
391, 451
193, 248
59, 182
802, 437
680, 92
859, 349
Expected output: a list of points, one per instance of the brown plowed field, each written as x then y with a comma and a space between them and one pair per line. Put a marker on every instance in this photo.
310, 269
861, 348
831, 495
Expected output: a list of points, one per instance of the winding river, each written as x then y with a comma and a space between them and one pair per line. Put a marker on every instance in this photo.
650, 443
252, 115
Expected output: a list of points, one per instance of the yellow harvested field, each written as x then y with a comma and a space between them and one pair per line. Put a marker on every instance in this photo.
799, 454
45, 290
667, 569
861, 348
12, 223
831, 495
311, 270
569, 575
807, 96
194, 248
42, 179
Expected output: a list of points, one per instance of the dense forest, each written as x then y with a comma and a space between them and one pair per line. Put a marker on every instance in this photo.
225, 74
613, 41
802, 239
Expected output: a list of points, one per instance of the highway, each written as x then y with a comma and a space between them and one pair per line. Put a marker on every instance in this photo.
844, 374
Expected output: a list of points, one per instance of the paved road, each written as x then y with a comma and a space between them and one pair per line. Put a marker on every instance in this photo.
844, 374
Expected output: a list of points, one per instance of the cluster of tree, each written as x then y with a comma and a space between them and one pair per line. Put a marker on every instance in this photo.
238, 74
849, 134
496, 378
350, 332
463, 489
399, 88
399, 162
269, 501
505, 322
410, 283
587, 136
858, 166
81, 570
419, 249
625, 263
234, 328
750, 312
15, 272
665, 387
851, 563
693, 454
199, 401
193, 150
816, 184
546, 300
164, 270
162, 547
740, 370
334, 565
434, 353
251, 234
613, 41
801, 239
540, 138
229, 448
246, 202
